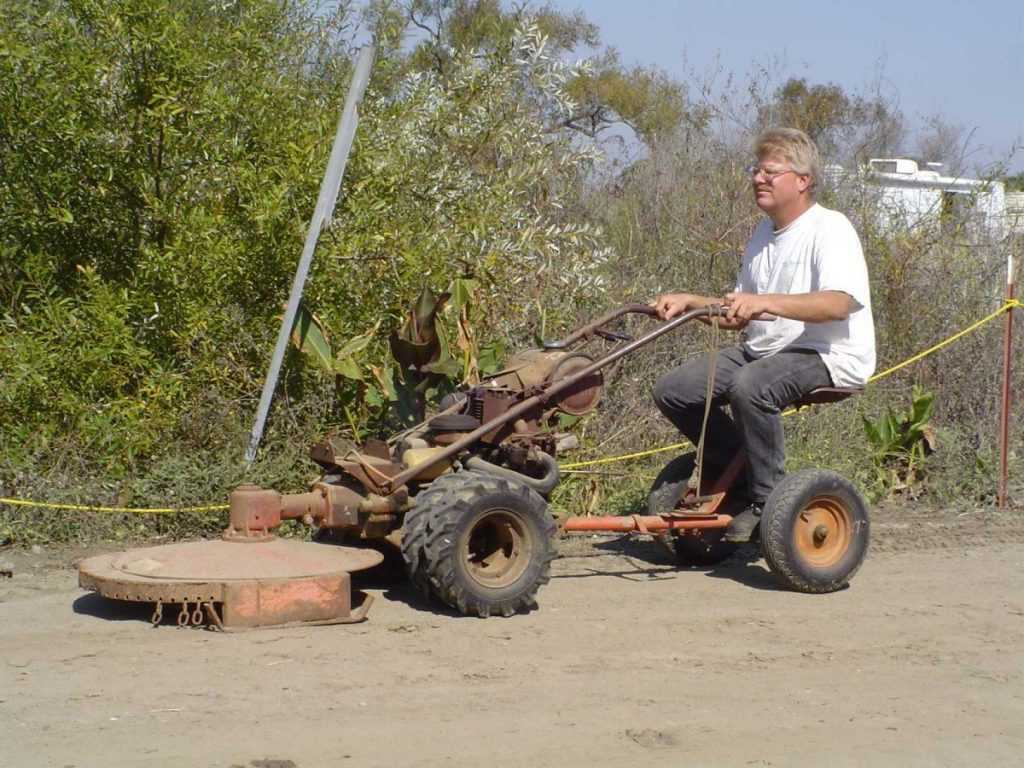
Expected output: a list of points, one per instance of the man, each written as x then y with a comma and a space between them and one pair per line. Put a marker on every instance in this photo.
803, 274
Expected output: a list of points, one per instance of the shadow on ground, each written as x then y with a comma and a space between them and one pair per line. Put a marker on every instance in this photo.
93, 604
652, 560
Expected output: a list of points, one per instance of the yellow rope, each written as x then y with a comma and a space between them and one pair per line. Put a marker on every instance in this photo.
1007, 306
626, 457
1012, 304
93, 508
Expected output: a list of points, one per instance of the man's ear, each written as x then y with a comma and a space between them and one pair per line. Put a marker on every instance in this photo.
804, 182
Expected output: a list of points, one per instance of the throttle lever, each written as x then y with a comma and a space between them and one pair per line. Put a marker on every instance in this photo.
612, 335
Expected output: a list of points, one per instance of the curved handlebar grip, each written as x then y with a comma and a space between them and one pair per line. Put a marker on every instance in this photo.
589, 328
640, 309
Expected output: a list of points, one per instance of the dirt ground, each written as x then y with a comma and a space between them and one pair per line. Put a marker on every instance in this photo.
628, 661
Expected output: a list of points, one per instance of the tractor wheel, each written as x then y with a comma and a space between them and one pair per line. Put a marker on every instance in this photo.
814, 531
693, 548
670, 484
481, 543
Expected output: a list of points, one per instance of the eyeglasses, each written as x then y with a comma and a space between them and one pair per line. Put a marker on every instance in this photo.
768, 174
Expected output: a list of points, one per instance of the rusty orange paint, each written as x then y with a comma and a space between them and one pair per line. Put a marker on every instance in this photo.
638, 523
283, 601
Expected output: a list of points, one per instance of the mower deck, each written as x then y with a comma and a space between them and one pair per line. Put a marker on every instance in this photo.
236, 584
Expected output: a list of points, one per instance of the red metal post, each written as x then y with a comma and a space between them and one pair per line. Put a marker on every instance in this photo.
1004, 422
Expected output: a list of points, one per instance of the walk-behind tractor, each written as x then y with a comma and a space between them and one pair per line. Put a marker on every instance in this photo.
463, 496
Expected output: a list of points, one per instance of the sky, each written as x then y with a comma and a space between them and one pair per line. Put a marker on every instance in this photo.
964, 61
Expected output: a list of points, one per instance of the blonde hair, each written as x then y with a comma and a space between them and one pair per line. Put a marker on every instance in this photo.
795, 147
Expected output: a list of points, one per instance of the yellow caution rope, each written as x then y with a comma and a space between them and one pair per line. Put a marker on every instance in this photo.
94, 508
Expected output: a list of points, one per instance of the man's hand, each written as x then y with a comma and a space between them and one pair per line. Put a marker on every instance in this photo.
813, 307
670, 305
744, 306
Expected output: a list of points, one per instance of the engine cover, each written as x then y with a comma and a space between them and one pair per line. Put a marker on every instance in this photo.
539, 367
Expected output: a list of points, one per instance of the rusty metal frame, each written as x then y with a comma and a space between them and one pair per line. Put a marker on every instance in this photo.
551, 390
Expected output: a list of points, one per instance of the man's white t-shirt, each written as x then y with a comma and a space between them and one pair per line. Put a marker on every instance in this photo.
820, 251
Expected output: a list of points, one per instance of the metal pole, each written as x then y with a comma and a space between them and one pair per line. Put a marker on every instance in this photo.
329, 188
1004, 425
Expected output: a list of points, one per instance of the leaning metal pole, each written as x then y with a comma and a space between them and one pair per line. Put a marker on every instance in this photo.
1004, 421
329, 188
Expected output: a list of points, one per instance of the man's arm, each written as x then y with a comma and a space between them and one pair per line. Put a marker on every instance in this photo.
670, 305
816, 307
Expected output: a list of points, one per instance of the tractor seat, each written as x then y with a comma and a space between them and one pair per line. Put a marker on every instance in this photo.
823, 395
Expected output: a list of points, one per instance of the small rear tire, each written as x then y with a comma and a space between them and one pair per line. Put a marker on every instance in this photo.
693, 548
814, 531
671, 484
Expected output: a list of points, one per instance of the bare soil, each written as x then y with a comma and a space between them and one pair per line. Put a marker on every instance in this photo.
628, 661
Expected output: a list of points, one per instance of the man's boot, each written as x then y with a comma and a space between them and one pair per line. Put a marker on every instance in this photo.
741, 528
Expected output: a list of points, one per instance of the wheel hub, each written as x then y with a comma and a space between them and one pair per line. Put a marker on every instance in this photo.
823, 531
497, 549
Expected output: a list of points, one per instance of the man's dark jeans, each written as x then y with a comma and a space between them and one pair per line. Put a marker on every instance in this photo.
757, 390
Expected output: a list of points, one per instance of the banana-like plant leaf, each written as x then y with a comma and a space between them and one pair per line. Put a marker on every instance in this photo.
309, 336
446, 366
417, 344
491, 357
462, 291
386, 379
348, 368
358, 343
921, 407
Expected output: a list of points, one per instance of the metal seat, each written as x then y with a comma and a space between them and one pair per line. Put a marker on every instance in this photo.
823, 395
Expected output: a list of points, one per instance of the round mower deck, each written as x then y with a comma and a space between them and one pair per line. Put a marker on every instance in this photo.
236, 584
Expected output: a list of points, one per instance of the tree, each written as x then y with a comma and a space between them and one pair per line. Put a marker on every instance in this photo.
160, 163
941, 141
604, 93
846, 127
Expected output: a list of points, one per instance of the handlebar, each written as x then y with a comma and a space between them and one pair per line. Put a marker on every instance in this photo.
588, 329
594, 327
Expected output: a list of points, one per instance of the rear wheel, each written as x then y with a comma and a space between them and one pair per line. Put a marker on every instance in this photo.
670, 485
700, 547
814, 531
480, 543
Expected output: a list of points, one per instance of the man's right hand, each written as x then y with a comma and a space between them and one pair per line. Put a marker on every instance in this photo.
670, 305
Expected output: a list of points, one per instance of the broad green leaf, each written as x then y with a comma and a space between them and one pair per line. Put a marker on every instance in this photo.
491, 357
385, 377
462, 291
308, 335
348, 368
358, 343
873, 434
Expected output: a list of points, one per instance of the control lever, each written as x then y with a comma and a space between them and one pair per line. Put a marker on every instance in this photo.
612, 335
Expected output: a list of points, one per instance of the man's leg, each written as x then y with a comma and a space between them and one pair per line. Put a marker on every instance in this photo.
680, 396
759, 392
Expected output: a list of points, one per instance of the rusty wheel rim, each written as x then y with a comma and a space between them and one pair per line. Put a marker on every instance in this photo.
496, 549
823, 531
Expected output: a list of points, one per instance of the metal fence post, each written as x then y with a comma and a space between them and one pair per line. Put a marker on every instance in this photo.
329, 188
1004, 421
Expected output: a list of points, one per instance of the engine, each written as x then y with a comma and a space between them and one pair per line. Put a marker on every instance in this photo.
528, 443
